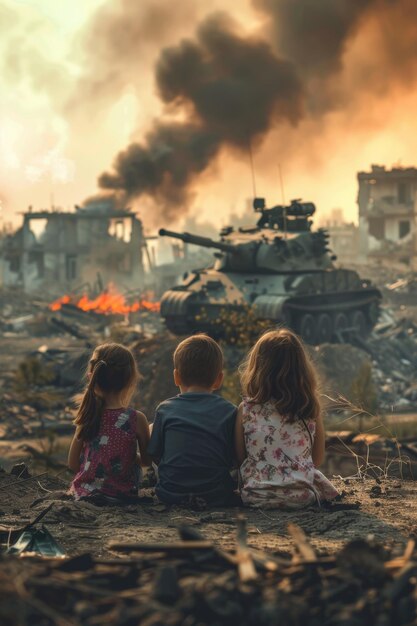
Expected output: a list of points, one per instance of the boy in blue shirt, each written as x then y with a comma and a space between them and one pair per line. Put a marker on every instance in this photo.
193, 433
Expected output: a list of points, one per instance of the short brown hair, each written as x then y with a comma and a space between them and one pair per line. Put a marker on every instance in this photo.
198, 361
278, 369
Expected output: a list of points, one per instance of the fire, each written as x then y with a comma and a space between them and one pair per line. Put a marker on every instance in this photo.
109, 301
57, 304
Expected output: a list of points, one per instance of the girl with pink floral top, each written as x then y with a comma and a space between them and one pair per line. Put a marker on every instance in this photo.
103, 452
279, 434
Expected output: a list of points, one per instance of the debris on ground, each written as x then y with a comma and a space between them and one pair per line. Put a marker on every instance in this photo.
393, 350
194, 581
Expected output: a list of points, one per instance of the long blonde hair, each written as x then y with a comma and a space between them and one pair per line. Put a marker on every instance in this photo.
111, 369
278, 368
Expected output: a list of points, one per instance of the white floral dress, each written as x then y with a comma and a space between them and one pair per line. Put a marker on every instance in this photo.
278, 471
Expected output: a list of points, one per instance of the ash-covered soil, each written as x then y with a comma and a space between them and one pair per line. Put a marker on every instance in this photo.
386, 511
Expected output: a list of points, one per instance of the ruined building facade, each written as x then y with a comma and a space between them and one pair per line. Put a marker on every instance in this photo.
387, 211
61, 251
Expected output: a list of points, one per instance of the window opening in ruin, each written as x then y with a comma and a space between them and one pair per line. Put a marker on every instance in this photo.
15, 263
37, 258
403, 228
377, 227
121, 229
403, 193
71, 266
38, 228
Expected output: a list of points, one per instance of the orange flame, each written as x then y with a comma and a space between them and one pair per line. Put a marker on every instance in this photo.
110, 301
57, 304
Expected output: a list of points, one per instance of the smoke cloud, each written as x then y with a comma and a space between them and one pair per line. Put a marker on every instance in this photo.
232, 90
164, 166
226, 89
314, 34
121, 41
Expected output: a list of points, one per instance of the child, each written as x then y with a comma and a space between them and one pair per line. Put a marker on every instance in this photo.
103, 450
279, 434
192, 436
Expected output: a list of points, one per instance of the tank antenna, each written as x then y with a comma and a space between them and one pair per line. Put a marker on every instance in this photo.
252, 168
283, 199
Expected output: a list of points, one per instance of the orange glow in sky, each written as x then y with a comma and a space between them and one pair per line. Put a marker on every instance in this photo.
56, 139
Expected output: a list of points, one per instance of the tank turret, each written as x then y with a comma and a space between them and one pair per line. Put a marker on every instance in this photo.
281, 268
245, 251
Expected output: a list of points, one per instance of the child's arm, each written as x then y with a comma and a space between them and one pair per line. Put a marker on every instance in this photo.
75, 453
240, 448
317, 452
156, 444
142, 434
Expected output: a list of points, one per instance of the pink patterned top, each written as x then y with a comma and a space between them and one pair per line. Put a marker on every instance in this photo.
108, 462
278, 471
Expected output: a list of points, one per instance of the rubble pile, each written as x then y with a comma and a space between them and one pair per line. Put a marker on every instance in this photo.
393, 350
402, 289
192, 581
389, 355
339, 368
20, 420
40, 393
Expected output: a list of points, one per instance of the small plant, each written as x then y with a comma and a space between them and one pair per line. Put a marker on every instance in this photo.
363, 392
32, 373
32, 381
365, 468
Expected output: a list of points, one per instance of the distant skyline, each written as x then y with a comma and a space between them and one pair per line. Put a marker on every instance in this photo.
62, 122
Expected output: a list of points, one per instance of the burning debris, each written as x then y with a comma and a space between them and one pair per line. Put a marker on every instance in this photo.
107, 302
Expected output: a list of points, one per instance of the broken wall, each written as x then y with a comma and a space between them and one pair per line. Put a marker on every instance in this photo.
63, 251
386, 209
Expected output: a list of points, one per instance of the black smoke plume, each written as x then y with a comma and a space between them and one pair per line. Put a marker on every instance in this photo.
231, 89
164, 165
313, 33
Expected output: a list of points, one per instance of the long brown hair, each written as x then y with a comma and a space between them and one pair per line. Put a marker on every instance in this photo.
111, 369
278, 368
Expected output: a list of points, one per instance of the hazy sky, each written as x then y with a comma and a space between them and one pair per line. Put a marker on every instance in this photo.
60, 128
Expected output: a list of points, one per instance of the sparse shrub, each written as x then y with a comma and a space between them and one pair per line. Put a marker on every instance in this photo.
363, 392
32, 373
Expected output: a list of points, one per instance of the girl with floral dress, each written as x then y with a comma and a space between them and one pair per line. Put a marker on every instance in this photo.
103, 451
279, 433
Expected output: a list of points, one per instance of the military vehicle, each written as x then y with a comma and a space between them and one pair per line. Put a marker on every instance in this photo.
281, 268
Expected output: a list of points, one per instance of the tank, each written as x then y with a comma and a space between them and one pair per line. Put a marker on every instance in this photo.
281, 268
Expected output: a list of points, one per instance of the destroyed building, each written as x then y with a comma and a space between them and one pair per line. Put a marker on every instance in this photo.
387, 211
61, 251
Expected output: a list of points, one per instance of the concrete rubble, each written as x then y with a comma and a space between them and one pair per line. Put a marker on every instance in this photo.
60, 340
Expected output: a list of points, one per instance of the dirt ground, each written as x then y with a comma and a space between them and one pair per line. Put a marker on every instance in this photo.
386, 511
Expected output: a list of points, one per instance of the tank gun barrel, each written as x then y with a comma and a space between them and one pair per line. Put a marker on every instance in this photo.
205, 242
